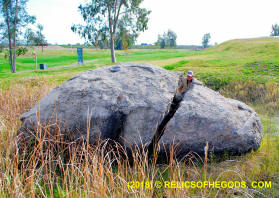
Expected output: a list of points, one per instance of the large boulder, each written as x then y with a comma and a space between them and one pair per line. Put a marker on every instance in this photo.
126, 103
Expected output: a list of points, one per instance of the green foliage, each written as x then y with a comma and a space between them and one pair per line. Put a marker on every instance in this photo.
21, 17
15, 17
205, 40
161, 41
103, 19
124, 39
20, 51
35, 38
275, 30
168, 39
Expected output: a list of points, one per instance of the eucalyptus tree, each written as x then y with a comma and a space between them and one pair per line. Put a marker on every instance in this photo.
102, 17
14, 18
40, 38
205, 40
124, 39
275, 30
35, 38
172, 38
168, 39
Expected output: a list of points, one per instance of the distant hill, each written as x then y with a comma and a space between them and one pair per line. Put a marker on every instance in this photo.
269, 45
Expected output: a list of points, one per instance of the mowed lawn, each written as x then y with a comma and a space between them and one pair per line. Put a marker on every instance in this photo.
55, 56
255, 59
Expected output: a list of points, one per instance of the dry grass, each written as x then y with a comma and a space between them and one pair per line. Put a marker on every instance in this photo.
250, 92
60, 169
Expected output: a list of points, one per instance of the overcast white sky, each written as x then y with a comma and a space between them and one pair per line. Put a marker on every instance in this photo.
190, 19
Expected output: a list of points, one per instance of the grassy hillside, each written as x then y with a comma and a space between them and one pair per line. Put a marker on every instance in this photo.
254, 59
246, 69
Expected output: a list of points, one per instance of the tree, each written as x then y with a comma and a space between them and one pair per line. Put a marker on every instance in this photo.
124, 38
15, 17
103, 16
40, 38
275, 30
172, 38
168, 39
29, 37
35, 38
162, 40
205, 40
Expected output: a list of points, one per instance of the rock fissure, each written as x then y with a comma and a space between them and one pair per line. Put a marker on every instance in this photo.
172, 108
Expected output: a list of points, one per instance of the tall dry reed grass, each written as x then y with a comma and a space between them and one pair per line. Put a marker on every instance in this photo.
64, 169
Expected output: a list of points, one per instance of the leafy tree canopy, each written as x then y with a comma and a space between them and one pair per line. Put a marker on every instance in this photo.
205, 40
102, 19
13, 19
275, 30
168, 39
35, 38
14, 12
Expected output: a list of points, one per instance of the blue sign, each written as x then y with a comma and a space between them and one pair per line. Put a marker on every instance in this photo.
80, 55
43, 66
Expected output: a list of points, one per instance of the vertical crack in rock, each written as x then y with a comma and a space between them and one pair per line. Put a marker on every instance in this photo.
174, 105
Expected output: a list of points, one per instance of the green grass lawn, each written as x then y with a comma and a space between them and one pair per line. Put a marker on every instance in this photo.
256, 59
57, 56
61, 57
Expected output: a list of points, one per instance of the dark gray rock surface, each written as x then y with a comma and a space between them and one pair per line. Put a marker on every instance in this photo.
126, 103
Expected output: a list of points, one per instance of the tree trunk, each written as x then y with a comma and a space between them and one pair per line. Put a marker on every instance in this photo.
9, 37
14, 58
14, 52
10, 54
113, 59
112, 34
10, 46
